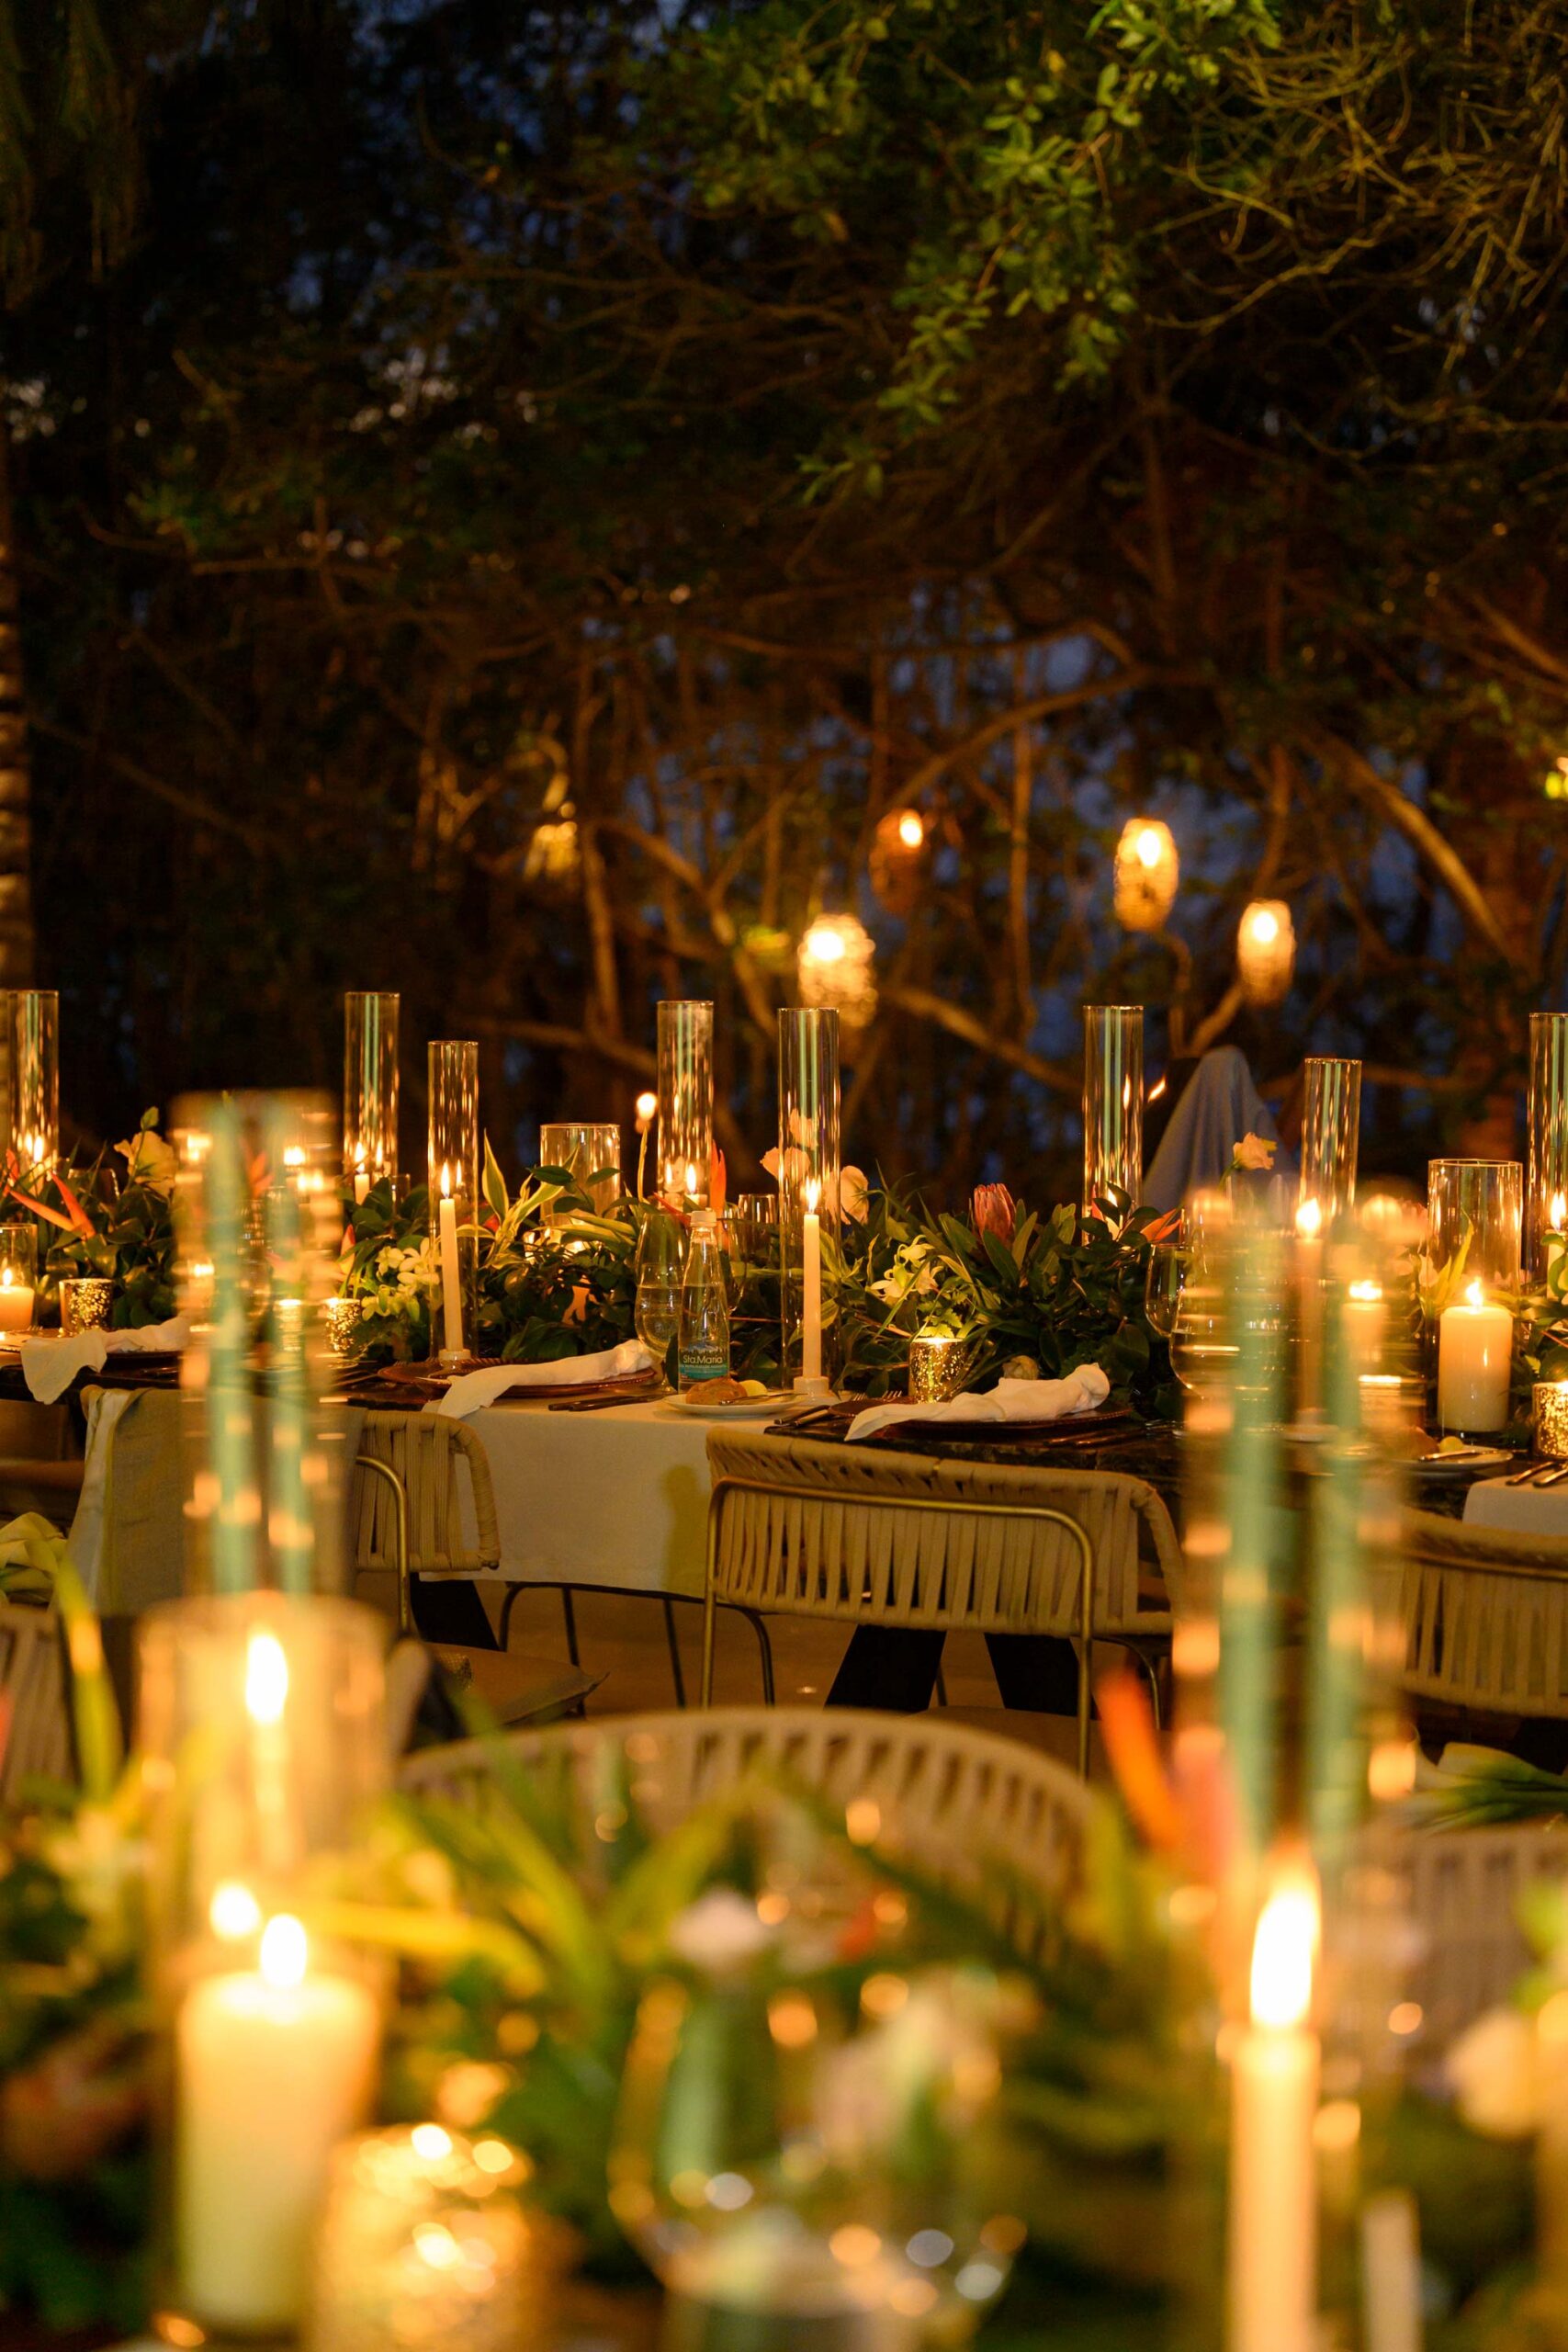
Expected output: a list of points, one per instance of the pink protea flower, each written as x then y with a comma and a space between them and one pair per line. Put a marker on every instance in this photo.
992, 1209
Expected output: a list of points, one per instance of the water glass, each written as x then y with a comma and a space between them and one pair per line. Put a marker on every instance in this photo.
661, 1262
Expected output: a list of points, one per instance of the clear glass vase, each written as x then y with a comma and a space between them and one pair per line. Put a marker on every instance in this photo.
1331, 1133
1112, 1102
1474, 1223
590, 1150
685, 1103
453, 1178
809, 1112
1546, 1184
260, 1726
32, 1021
369, 1088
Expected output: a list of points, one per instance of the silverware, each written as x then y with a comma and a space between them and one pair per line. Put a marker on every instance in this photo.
1554, 1477
606, 1404
1528, 1476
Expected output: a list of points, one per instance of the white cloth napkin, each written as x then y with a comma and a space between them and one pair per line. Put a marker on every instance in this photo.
1010, 1400
49, 1367
472, 1391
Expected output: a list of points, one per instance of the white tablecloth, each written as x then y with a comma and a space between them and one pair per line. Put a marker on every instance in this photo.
616, 1498
1518, 1510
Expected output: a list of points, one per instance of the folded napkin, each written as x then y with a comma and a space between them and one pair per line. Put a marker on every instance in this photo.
49, 1367
1010, 1400
472, 1391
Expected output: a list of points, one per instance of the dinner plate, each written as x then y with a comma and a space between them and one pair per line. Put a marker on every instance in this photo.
771, 1408
1467, 1466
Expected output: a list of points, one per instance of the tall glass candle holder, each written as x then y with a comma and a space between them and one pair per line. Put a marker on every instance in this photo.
1112, 1101
1474, 1221
686, 1101
260, 1725
32, 1022
590, 1150
257, 1227
1546, 1180
453, 1163
810, 1111
1331, 1136
369, 1088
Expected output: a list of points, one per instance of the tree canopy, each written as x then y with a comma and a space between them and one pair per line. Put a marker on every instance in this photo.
520, 499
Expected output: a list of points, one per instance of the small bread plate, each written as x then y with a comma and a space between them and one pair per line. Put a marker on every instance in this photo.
772, 1406
1471, 1462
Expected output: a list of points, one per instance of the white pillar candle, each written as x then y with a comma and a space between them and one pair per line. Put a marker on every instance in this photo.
16, 1302
811, 1304
1475, 1347
273, 2066
1309, 1280
1273, 2259
451, 1279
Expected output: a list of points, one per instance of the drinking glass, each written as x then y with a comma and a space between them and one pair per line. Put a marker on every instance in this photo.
1186, 1307
660, 1257
823, 2162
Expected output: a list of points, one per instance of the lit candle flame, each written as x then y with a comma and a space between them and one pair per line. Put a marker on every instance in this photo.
1558, 1212
233, 1912
1283, 1955
284, 1953
266, 1679
691, 1178
445, 1182
813, 1193
1371, 1292
1309, 1219
1474, 1296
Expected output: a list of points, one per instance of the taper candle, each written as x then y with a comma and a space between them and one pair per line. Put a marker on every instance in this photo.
451, 1280
1273, 2179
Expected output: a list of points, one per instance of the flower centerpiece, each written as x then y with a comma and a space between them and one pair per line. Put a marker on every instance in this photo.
120, 1228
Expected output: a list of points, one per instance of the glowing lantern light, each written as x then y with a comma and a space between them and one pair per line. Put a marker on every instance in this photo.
1147, 871
1266, 951
897, 850
835, 968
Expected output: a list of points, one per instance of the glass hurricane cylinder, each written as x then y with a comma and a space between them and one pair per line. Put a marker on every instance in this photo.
32, 1022
1474, 1220
370, 1088
590, 1150
1546, 1179
258, 1228
686, 1101
1331, 1136
810, 1111
260, 1723
453, 1165
1112, 1101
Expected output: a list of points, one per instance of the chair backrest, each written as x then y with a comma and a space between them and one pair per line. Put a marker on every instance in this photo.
35, 1722
425, 1450
1485, 1617
817, 1529
953, 1800
1465, 1886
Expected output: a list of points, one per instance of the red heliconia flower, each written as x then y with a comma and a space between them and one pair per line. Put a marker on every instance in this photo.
992, 1209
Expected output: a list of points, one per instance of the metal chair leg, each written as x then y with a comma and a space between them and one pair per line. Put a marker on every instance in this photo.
941, 1685
570, 1614
709, 1613
513, 1594
1086, 1650
674, 1651
766, 1649
400, 1526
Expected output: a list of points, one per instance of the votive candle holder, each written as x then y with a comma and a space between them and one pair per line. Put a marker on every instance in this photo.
1546, 1165
939, 1365
810, 1109
32, 1021
1331, 1135
87, 1304
370, 1088
686, 1101
1549, 1418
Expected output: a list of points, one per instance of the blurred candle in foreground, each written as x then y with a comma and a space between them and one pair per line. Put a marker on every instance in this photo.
1309, 1278
1273, 2263
273, 2066
1475, 1347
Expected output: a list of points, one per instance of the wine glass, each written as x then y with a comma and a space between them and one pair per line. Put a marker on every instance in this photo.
1186, 1307
817, 2152
660, 1257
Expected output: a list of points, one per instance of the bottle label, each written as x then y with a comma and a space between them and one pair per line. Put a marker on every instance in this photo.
701, 1363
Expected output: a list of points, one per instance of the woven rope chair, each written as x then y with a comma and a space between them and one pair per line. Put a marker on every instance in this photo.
805, 1529
406, 1503
35, 1723
1465, 1886
953, 1800
1485, 1617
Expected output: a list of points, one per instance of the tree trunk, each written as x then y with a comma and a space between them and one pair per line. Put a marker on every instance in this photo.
15, 779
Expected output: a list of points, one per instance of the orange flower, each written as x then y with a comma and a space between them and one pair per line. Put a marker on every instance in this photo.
1132, 1747
717, 1178
78, 1214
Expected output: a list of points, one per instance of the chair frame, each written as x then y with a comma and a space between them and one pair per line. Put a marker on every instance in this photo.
945, 1505
1433, 1546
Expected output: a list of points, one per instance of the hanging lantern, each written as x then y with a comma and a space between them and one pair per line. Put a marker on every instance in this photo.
1147, 871
1266, 951
835, 968
898, 853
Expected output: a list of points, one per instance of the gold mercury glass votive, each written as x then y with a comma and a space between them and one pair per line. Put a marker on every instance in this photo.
938, 1365
424, 2247
1549, 1418
86, 1302
341, 1319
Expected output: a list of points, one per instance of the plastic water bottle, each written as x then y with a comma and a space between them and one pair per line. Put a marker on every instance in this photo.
703, 1341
